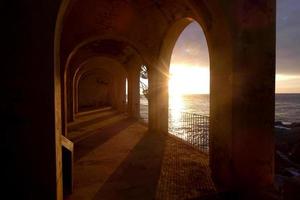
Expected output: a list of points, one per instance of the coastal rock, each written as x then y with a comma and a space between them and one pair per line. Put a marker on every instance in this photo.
295, 153
288, 187
285, 166
278, 123
295, 124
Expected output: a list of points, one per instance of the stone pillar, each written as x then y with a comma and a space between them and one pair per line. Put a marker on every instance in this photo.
254, 93
152, 123
242, 97
63, 110
158, 99
133, 92
122, 94
69, 96
118, 92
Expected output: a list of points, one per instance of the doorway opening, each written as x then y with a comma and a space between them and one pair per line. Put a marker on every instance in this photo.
189, 88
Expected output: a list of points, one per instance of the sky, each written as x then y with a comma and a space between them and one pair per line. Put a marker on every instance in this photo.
189, 71
190, 59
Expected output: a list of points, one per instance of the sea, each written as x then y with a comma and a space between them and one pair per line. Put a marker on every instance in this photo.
287, 106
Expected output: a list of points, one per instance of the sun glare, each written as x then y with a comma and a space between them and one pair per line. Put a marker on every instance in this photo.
186, 79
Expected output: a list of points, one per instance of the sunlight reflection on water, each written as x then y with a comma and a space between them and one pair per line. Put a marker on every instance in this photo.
177, 105
196, 103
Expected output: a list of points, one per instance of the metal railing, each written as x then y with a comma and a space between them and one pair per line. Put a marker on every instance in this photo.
190, 127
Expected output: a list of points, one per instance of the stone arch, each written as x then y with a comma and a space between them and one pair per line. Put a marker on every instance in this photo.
214, 28
163, 62
220, 72
111, 66
227, 75
60, 125
124, 53
182, 26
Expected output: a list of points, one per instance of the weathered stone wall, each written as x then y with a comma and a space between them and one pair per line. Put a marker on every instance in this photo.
93, 91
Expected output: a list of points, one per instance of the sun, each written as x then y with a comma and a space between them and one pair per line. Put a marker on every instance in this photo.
186, 79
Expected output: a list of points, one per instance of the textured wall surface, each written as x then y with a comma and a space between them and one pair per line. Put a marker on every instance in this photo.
93, 91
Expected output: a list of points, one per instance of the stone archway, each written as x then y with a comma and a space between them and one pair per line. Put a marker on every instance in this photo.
113, 68
164, 60
241, 37
188, 88
242, 43
114, 48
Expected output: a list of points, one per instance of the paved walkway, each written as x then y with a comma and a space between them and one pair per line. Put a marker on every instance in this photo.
122, 160
184, 173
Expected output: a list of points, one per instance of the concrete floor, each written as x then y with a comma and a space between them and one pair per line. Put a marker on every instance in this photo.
117, 158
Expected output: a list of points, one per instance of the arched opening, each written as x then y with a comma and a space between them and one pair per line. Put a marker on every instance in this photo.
144, 108
224, 66
189, 88
241, 34
98, 79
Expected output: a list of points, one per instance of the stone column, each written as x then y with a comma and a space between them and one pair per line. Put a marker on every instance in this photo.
242, 97
158, 99
133, 92
152, 123
118, 97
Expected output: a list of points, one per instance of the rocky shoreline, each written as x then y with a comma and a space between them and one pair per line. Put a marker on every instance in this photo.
287, 159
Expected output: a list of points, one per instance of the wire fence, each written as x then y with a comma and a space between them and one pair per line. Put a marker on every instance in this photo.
190, 127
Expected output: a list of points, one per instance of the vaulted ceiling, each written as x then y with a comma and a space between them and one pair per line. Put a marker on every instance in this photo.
97, 27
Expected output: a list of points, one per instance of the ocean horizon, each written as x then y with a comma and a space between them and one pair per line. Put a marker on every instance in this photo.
287, 105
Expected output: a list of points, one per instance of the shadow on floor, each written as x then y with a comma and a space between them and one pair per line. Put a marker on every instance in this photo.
86, 145
138, 175
124, 161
